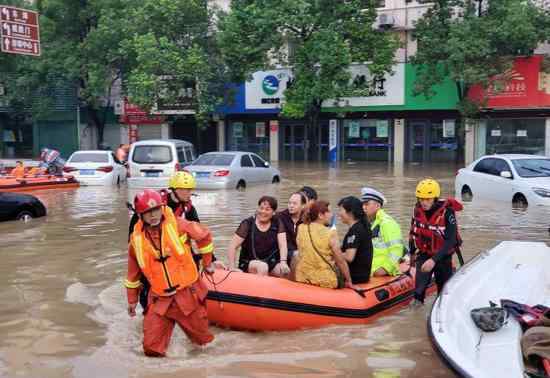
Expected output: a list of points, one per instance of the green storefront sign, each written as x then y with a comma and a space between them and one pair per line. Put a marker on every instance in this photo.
445, 98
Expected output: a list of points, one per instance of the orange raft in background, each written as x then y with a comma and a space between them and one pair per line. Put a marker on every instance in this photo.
249, 302
12, 184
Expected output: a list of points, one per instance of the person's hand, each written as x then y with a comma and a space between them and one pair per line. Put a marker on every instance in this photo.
351, 286
283, 268
132, 309
232, 268
210, 269
428, 266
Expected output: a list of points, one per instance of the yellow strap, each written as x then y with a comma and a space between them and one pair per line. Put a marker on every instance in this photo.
132, 285
207, 249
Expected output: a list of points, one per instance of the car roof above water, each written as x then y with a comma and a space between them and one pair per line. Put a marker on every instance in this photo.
516, 156
162, 142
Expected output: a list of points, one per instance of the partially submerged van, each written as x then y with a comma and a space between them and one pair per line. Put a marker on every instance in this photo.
152, 162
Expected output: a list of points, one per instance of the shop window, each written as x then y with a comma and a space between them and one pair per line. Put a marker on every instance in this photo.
366, 139
520, 136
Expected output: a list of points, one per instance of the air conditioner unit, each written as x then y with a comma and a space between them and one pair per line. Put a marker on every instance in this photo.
386, 21
119, 107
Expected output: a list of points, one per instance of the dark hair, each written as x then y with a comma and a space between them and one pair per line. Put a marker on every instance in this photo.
354, 206
313, 210
303, 198
18, 162
309, 192
272, 202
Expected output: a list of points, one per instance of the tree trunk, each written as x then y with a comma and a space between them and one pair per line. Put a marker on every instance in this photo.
95, 119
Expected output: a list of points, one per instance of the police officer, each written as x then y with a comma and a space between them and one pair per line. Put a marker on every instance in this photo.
386, 234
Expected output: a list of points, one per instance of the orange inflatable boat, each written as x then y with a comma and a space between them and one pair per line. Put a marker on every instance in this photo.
249, 302
12, 184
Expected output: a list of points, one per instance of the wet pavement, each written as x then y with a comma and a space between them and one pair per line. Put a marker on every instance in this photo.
64, 307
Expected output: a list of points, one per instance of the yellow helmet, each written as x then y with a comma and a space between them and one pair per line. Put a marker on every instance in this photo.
428, 188
182, 180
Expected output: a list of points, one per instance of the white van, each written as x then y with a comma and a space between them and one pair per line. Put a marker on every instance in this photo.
152, 162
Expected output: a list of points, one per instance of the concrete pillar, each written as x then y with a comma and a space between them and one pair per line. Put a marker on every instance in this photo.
124, 136
164, 131
273, 140
469, 140
547, 138
399, 141
221, 135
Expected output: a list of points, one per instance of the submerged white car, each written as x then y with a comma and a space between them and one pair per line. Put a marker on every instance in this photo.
232, 169
519, 179
95, 168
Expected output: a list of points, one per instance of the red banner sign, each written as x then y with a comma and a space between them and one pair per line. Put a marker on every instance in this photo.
524, 86
19, 31
134, 115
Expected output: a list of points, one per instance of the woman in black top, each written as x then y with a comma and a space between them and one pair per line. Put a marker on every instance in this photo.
357, 244
262, 239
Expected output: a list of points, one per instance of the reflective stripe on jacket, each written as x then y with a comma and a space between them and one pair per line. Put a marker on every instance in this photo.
386, 237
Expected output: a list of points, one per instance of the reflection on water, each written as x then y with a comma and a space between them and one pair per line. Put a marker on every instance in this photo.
64, 308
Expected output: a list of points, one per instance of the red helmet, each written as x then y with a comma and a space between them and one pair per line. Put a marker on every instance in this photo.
147, 200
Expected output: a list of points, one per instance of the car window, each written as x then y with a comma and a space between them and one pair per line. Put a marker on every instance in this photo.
501, 166
190, 153
246, 162
486, 166
181, 155
260, 163
152, 154
89, 157
214, 159
532, 167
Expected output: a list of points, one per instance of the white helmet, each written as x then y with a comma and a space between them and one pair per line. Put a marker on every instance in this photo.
368, 194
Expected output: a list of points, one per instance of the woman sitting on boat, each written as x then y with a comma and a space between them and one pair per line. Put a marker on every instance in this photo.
357, 244
319, 250
262, 240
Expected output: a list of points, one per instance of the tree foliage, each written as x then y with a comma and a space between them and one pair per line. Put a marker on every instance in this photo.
471, 41
317, 40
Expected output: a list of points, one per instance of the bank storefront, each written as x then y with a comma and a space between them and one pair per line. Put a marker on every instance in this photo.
391, 124
516, 118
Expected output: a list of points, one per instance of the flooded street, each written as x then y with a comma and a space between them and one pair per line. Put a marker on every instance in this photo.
64, 306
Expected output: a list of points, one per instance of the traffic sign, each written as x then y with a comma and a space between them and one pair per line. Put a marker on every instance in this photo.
19, 31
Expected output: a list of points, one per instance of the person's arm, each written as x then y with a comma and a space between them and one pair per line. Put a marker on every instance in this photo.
234, 244
449, 236
340, 261
132, 281
391, 234
202, 237
193, 215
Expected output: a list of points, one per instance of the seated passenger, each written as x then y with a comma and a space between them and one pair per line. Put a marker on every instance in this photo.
291, 219
319, 250
386, 235
19, 170
357, 244
262, 240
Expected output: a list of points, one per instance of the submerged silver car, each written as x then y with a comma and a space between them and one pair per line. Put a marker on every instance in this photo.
232, 169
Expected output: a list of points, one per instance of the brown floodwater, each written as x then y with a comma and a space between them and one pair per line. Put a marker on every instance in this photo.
64, 308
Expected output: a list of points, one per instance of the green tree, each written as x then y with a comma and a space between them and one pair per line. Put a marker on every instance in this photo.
174, 48
317, 40
471, 41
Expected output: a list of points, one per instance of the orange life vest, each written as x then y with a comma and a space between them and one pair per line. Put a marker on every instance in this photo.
170, 269
428, 234
18, 172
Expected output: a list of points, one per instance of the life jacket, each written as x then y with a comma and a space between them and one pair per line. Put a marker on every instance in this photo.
527, 316
170, 269
18, 172
429, 234
178, 209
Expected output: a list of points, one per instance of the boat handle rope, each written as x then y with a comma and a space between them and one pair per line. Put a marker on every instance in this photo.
214, 283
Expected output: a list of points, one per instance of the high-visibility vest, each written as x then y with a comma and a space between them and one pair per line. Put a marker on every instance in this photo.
386, 237
170, 269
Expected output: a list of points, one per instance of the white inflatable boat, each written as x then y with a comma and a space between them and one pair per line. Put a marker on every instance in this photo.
512, 270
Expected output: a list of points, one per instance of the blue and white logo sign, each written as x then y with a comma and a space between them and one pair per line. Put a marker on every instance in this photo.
270, 85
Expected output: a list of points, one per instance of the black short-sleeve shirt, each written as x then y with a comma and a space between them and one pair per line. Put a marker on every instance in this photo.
359, 237
265, 243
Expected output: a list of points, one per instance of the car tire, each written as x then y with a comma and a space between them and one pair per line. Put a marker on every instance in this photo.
466, 193
241, 185
519, 201
276, 180
24, 215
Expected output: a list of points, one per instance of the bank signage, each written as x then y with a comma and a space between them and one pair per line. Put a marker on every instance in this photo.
266, 89
522, 86
383, 90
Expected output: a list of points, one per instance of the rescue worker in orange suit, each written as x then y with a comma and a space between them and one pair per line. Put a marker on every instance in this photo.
19, 170
158, 250
178, 198
433, 236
